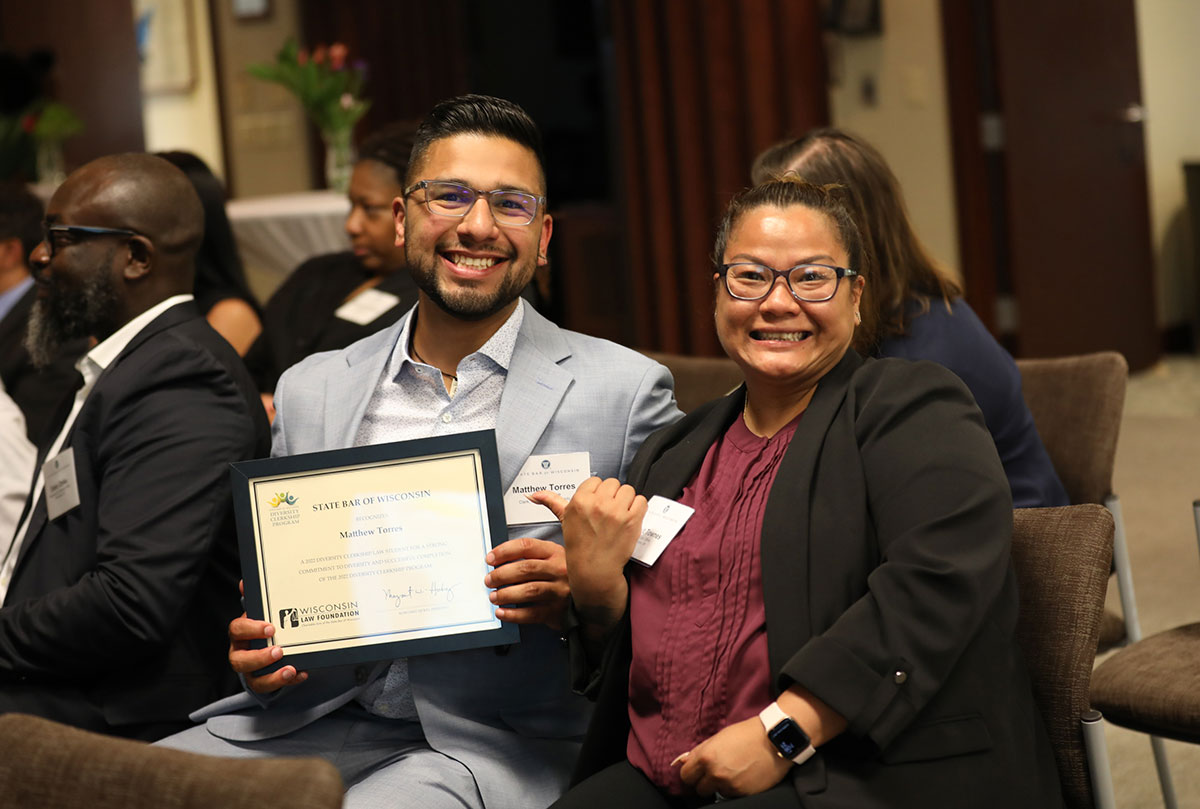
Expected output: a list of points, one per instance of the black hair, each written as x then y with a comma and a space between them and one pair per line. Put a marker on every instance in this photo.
477, 115
391, 146
21, 215
219, 270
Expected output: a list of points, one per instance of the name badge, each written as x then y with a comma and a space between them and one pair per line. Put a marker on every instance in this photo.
663, 521
561, 474
62, 491
366, 306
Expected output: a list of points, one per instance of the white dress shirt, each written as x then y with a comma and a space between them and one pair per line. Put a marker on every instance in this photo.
17, 455
411, 401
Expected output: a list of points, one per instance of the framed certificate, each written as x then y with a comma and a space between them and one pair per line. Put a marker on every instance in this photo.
373, 552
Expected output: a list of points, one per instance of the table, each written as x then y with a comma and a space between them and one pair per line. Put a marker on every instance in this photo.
275, 234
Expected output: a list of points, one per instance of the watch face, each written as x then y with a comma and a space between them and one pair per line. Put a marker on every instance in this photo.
788, 738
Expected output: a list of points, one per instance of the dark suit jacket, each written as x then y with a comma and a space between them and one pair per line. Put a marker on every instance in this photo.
889, 594
36, 391
129, 594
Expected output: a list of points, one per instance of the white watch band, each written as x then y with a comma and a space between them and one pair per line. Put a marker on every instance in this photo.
771, 716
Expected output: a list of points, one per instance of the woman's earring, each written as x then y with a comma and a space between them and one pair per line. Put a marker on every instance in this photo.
857, 317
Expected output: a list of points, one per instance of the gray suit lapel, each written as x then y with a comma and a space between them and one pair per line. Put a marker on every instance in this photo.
535, 386
348, 390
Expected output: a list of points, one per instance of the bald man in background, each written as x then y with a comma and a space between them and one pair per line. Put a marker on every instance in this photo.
122, 575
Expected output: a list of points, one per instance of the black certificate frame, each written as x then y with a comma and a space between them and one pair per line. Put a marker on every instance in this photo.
245, 474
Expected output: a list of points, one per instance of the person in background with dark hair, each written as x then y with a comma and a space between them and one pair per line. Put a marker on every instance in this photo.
914, 310
36, 391
330, 301
221, 292
494, 728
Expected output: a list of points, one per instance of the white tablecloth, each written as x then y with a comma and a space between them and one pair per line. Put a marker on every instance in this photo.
276, 234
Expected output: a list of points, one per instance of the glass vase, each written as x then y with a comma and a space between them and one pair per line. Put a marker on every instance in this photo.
51, 166
339, 159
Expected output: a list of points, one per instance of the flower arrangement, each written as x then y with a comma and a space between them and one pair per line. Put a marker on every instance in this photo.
326, 84
52, 121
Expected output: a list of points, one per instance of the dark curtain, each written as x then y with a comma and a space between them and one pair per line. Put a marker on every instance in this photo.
701, 88
413, 51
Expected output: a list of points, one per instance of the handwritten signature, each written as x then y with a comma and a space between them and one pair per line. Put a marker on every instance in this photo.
434, 590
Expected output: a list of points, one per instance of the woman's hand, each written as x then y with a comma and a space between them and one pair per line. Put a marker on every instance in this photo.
739, 760
601, 524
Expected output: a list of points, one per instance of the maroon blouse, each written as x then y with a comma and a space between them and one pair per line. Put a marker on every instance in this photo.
698, 623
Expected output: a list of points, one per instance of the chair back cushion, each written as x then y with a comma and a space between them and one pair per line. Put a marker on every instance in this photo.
1076, 404
699, 379
1062, 558
47, 765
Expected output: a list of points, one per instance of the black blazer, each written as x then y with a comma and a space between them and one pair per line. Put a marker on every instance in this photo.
37, 392
889, 594
128, 595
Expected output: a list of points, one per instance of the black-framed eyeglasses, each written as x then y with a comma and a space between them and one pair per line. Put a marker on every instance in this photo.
810, 283
57, 237
510, 208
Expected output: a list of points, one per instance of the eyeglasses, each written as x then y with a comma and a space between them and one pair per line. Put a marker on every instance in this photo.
810, 283
57, 237
451, 199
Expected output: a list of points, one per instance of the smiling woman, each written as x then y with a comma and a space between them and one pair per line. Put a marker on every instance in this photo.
834, 623
786, 336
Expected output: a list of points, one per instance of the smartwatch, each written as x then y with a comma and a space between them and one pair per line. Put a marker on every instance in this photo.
790, 741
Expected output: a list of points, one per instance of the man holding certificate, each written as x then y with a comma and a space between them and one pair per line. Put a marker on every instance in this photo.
488, 727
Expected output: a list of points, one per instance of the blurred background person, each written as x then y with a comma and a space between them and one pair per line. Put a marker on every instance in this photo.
914, 310
36, 391
222, 293
16, 467
330, 301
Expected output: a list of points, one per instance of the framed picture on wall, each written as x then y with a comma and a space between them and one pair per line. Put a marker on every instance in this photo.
251, 9
166, 46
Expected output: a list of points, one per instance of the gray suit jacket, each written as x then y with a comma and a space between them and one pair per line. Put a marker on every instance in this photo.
509, 717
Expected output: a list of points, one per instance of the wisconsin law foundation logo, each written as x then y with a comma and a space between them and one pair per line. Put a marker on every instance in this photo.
284, 510
289, 617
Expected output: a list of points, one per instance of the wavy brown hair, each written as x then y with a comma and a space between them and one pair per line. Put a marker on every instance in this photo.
903, 269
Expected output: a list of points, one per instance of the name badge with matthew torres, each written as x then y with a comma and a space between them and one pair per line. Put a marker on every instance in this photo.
376, 552
560, 473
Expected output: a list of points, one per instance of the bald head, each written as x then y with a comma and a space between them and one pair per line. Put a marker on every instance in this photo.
146, 194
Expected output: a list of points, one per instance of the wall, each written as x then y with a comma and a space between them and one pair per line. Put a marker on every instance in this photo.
189, 120
1170, 64
907, 118
265, 128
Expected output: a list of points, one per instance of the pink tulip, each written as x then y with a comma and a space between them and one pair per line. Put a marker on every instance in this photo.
302, 57
319, 54
337, 55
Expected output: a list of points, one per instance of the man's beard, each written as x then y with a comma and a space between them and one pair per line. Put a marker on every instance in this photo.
467, 303
66, 315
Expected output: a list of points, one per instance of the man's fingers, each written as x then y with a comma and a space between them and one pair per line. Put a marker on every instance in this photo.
555, 502
526, 570
522, 548
539, 614
248, 661
529, 592
246, 629
276, 680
